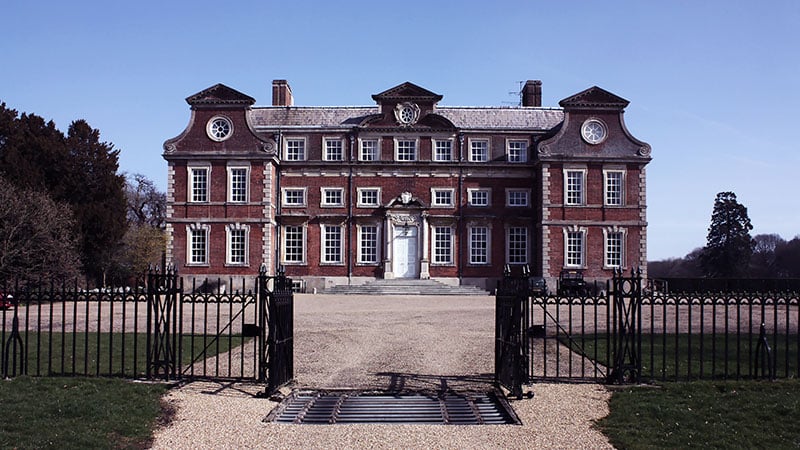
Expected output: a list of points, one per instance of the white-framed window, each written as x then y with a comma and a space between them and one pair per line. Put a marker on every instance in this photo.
294, 244
517, 245
442, 150
518, 197
368, 196
574, 247
574, 186
479, 240
334, 149
294, 197
517, 151
614, 249
295, 149
614, 182
405, 150
331, 197
197, 244
238, 181
368, 244
479, 197
331, 244
478, 150
368, 150
236, 250
442, 197
199, 184
442, 245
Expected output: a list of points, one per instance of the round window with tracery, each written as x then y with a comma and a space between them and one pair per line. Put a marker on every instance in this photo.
594, 131
219, 128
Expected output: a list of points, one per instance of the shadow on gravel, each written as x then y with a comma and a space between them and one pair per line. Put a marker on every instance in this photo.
440, 384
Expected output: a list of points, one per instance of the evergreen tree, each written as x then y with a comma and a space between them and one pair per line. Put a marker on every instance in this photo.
729, 245
97, 195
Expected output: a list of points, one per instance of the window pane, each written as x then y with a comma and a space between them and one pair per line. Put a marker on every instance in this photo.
369, 244
479, 151
614, 249
478, 245
574, 188
199, 244
442, 245
333, 150
443, 151
238, 185
479, 198
369, 150
295, 150
293, 244
237, 246
199, 185
574, 249
518, 245
406, 150
333, 244
614, 188
517, 151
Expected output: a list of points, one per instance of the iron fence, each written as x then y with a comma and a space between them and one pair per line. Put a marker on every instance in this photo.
682, 336
156, 328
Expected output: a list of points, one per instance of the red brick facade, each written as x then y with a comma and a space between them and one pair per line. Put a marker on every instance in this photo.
405, 189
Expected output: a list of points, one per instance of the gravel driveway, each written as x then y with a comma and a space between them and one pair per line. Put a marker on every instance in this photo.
415, 343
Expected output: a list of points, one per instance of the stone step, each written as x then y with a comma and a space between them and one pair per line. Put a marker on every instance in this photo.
403, 286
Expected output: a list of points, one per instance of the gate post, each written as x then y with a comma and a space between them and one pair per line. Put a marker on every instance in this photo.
263, 323
276, 310
163, 292
511, 325
626, 332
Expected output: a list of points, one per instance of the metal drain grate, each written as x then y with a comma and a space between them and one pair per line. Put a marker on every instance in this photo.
311, 407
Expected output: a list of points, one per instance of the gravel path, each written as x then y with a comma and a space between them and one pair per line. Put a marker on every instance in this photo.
411, 343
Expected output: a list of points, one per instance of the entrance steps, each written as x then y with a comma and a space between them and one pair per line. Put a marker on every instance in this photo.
404, 286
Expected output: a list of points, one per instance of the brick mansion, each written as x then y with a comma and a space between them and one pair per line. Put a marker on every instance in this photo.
405, 188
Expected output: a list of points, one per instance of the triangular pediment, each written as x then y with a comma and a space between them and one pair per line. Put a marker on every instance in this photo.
219, 94
407, 92
594, 97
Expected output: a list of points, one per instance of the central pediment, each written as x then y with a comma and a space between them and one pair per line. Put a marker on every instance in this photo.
408, 92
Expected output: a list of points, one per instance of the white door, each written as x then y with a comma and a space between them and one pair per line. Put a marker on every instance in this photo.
404, 253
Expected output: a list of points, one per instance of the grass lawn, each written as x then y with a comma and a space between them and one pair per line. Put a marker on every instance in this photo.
78, 413
706, 414
108, 354
676, 357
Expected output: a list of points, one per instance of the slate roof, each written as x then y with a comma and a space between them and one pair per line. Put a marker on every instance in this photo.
464, 117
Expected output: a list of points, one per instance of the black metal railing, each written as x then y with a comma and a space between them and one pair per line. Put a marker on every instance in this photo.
157, 328
670, 337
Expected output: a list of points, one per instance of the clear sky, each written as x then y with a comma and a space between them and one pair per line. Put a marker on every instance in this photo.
713, 84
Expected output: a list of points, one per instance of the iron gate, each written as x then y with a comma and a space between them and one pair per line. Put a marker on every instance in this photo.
217, 332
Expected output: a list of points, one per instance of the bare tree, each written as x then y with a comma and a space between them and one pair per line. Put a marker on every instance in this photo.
37, 236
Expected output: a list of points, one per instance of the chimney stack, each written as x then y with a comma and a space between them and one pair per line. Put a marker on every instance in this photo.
281, 93
532, 93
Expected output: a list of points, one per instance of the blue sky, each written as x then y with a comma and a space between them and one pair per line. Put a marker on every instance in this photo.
712, 84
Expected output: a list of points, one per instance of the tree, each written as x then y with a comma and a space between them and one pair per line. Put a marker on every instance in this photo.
787, 259
37, 236
146, 204
762, 263
729, 245
97, 195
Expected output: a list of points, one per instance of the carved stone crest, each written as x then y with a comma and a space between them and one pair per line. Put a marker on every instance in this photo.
406, 113
406, 197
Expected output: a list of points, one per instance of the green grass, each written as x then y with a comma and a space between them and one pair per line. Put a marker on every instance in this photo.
78, 413
119, 354
675, 357
705, 414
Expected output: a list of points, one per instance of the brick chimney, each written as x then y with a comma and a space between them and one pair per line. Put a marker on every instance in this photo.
532, 93
281, 93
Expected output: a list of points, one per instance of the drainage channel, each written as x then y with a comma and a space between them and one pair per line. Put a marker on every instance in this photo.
350, 407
